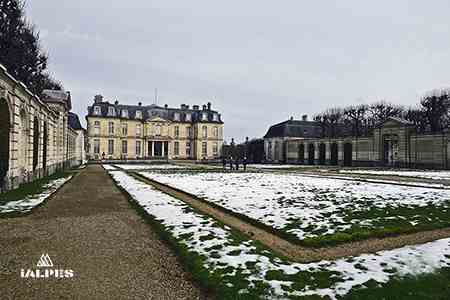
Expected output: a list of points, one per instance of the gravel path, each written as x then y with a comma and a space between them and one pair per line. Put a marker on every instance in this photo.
88, 226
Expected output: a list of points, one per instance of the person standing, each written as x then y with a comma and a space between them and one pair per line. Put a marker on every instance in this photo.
245, 163
237, 164
224, 162
231, 163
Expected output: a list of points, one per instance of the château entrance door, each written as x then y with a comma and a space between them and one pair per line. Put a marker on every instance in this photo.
390, 150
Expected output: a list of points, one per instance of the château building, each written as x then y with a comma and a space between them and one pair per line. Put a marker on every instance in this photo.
117, 131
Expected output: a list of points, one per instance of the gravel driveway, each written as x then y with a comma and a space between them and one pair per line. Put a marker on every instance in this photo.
89, 227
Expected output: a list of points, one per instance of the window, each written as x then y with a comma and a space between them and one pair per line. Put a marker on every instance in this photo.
138, 148
176, 116
204, 132
124, 113
110, 146
215, 149
124, 129
124, 147
188, 117
188, 148
111, 111
111, 128
97, 127
215, 117
138, 114
216, 131
138, 129
204, 149
189, 132
97, 110
204, 116
176, 148
158, 130
177, 131
96, 146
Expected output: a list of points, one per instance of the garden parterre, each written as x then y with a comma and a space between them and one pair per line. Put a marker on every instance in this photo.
237, 266
317, 210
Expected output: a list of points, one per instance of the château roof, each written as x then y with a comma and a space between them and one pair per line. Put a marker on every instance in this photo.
294, 128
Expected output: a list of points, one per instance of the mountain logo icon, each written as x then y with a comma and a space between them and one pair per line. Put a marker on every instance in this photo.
45, 261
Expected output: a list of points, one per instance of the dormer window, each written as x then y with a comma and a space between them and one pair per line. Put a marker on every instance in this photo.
204, 117
111, 111
124, 113
188, 117
176, 116
215, 117
138, 114
97, 110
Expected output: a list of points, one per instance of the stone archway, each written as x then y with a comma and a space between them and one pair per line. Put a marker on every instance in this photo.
301, 153
311, 150
334, 154
5, 128
322, 153
348, 152
35, 142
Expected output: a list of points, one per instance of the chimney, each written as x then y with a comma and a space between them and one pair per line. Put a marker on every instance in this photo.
204, 107
116, 102
140, 103
98, 98
183, 106
187, 106
209, 105
166, 106
305, 118
195, 107
291, 118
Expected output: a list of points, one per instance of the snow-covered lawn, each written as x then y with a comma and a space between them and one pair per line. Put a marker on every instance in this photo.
31, 201
108, 167
148, 166
307, 207
436, 175
236, 263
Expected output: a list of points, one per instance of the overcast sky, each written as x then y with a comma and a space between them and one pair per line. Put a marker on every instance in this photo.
258, 62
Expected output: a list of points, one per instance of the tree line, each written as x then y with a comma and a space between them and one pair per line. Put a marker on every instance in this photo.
430, 116
20, 49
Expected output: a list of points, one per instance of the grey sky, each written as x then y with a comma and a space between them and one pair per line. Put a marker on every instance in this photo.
258, 62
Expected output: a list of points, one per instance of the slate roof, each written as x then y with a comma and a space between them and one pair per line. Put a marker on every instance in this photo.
57, 96
152, 111
294, 128
74, 121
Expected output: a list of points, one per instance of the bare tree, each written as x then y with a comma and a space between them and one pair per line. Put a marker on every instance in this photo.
355, 117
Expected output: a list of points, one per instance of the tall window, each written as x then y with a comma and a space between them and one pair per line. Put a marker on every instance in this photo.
215, 149
204, 132
204, 149
111, 128
189, 132
216, 131
177, 131
138, 114
215, 117
188, 149
138, 129
111, 147
111, 111
96, 146
176, 148
124, 147
138, 148
97, 127
158, 130
124, 129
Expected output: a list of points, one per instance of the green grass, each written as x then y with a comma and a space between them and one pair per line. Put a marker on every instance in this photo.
27, 190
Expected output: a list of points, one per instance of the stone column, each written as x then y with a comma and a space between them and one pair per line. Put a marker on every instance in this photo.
162, 148
316, 153
153, 148
305, 153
